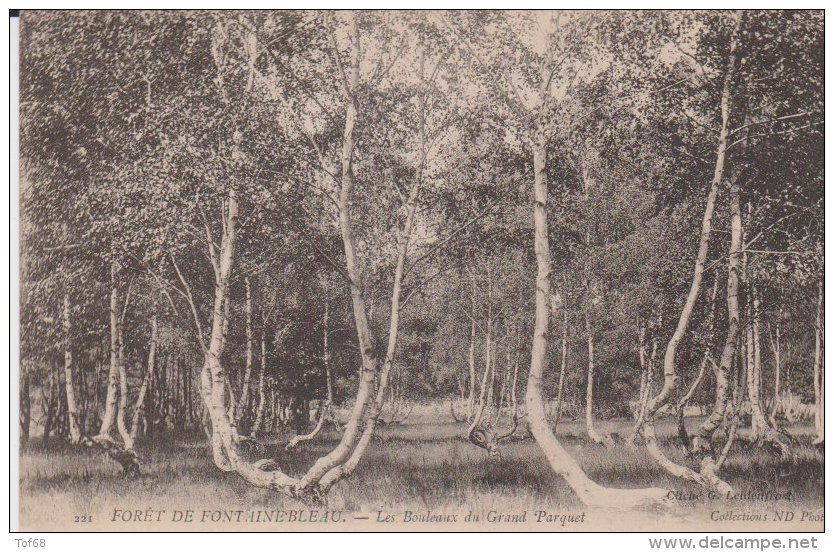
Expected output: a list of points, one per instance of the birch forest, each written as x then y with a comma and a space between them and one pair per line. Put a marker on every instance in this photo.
357, 260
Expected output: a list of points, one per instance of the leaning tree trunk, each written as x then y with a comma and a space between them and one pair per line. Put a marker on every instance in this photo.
706, 359
707, 477
702, 443
72, 409
670, 376
589, 493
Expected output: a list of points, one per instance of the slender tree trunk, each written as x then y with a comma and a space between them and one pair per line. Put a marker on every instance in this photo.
589, 389
670, 375
259, 412
776, 347
562, 463
121, 414
759, 422
110, 403
489, 380
646, 381
706, 359
563, 367
247, 373
703, 441
707, 476
139, 410
471, 402
819, 369
72, 409
644, 374
324, 405
25, 407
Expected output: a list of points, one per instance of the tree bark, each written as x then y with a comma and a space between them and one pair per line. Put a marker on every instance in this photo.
703, 441
72, 409
364, 395
563, 464
670, 376
819, 368
259, 412
110, 403
776, 347
593, 435
247, 373
25, 406
325, 404
139, 409
346, 468
471, 402
563, 367
759, 422
121, 413
707, 476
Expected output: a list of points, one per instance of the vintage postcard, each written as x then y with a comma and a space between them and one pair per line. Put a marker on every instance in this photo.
421, 270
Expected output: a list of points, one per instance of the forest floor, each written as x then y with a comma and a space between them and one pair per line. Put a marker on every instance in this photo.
418, 467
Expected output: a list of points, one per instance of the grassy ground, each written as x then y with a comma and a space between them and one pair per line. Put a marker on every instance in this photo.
417, 466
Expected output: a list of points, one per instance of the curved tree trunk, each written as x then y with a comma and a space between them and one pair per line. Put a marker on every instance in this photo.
324, 405
670, 376
707, 476
703, 441
562, 463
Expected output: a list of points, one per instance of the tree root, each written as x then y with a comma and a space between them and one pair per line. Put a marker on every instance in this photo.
126, 458
775, 440
706, 476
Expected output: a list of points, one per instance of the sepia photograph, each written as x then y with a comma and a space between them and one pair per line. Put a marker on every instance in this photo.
430, 271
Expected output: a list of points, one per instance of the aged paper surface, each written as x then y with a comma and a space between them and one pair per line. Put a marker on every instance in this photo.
426, 271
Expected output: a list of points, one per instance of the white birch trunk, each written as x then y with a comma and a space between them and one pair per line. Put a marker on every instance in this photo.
139, 410
670, 375
819, 369
72, 408
590, 493
110, 403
